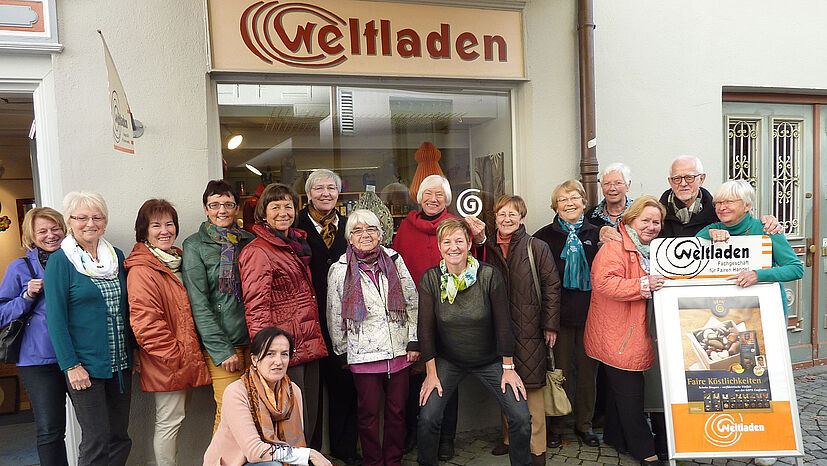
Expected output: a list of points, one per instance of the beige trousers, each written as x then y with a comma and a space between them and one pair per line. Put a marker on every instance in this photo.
170, 409
537, 409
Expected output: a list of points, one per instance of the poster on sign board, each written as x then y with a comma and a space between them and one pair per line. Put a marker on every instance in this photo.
725, 364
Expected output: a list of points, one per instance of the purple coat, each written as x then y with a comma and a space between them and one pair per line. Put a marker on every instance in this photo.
36, 348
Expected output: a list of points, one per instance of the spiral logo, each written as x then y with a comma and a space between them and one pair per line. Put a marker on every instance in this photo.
675, 257
722, 430
265, 32
468, 203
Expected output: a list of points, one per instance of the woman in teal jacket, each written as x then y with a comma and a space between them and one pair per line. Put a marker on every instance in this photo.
88, 320
732, 202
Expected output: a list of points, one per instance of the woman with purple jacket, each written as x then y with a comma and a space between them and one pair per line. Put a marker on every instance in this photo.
21, 295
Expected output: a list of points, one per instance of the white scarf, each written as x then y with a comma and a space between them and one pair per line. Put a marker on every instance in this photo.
105, 267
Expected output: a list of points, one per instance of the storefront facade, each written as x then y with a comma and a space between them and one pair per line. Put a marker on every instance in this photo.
663, 78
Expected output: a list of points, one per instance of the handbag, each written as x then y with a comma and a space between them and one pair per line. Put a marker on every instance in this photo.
12, 335
554, 395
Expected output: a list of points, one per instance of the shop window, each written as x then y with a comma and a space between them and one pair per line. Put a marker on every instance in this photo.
370, 137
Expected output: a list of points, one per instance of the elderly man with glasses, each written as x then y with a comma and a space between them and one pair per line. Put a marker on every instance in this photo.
689, 206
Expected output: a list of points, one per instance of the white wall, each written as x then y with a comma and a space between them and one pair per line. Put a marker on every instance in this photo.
546, 108
160, 52
661, 67
159, 48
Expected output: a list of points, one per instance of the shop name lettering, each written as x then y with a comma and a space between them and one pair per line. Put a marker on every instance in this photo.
321, 38
712, 252
751, 427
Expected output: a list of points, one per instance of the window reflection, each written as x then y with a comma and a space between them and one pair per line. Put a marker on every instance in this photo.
370, 137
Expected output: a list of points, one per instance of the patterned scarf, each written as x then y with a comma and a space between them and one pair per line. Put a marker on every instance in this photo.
600, 212
229, 279
576, 274
297, 244
685, 213
106, 267
450, 284
170, 260
273, 411
354, 310
643, 249
43, 256
329, 223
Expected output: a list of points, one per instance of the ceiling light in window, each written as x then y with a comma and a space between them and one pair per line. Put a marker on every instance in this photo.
235, 141
253, 169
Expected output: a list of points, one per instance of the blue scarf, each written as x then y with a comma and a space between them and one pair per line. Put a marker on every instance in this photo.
576, 273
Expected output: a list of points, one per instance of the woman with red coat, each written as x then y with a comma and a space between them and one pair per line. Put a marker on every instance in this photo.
278, 291
159, 311
416, 242
617, 326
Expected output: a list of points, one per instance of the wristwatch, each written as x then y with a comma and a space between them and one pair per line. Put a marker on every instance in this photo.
508, 366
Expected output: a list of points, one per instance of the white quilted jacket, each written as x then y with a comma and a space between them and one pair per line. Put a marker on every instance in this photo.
378, 339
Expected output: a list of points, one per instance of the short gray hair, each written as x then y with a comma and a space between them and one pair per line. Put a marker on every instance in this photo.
77, 199
434, 181
736, 189
618, 167
319, 175
688, 158
362, 216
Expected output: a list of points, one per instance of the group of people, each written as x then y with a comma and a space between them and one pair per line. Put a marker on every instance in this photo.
310, 298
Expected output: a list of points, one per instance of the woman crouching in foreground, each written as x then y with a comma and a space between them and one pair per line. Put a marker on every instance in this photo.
261, 417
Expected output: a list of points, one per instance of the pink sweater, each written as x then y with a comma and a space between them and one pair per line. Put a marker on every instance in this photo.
236, 442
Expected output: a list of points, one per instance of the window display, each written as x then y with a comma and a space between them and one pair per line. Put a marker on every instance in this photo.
387, 138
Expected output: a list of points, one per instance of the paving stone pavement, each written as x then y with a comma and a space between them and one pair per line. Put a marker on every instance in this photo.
473, 448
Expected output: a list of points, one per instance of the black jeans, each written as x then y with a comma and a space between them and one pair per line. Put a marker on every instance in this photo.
103, 415
46, 386
516, 412
342, 413
449, 416
626, 427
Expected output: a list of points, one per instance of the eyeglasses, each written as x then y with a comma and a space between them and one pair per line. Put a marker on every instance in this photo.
372, 231
688, 178
727, 202
566, 200
84, 218
613, 184
322, 187
511, 215
218, 205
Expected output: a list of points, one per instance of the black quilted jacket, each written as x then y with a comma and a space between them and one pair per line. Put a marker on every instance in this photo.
529, 317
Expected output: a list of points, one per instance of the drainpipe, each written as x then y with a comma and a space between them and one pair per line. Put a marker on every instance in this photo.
588, 143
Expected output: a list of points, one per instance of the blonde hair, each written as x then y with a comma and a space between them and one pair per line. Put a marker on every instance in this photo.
450, 225
77, 199
567, 186
28, 223
637, 206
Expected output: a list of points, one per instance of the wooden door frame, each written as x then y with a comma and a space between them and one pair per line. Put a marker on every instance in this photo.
816, 101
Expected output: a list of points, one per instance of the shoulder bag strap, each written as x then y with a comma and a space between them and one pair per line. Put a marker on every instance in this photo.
31, 269
534, 271
28, 315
